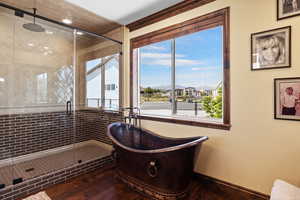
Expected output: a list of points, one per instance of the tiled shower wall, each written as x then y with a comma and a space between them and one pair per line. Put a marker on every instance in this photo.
94, 124
22, 134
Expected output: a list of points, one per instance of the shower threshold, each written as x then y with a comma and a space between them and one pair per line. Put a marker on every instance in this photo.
29, 166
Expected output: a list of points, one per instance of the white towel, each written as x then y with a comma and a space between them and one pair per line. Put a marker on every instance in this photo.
284, 191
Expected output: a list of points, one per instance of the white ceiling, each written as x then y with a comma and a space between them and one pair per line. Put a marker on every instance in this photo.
124, 11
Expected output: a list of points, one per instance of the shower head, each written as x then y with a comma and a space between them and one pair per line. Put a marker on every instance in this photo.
33, 26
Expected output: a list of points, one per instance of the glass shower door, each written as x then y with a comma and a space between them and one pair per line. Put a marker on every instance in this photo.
42, 82
97, 62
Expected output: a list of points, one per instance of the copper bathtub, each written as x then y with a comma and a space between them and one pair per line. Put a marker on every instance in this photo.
157, 166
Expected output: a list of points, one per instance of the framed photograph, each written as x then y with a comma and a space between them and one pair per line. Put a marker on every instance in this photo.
287, 8
271, 49
287, 98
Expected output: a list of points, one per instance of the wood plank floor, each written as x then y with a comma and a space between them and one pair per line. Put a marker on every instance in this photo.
102, 185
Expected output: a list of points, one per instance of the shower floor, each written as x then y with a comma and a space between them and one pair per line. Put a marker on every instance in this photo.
53, 161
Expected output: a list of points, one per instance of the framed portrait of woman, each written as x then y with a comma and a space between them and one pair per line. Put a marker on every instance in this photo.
271, 49
287, 8
287, 98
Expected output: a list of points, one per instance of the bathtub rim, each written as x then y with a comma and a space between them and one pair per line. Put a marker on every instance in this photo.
198, 140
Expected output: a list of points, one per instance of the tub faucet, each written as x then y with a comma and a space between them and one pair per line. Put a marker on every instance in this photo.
133, 117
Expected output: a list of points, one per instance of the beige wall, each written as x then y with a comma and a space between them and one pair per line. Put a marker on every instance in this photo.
258, 149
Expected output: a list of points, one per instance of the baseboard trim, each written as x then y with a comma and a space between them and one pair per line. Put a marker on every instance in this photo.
234, 190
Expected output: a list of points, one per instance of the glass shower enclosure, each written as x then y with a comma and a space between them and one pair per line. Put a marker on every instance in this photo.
40, 92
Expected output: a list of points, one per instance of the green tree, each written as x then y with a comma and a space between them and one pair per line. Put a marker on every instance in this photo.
206, 104
151, 92
148, 91
213, 106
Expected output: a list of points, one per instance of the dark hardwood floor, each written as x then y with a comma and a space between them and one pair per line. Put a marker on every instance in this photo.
102, 185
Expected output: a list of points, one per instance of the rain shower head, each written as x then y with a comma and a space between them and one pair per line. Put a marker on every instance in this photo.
33, 26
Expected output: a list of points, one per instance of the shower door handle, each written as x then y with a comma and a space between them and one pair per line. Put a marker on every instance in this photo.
69, 107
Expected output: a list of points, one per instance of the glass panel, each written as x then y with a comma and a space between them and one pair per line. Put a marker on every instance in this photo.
97, 69
41, 81
6, 62
93, 83
37, 76
155, 79
199, 75
112, 82
101, 72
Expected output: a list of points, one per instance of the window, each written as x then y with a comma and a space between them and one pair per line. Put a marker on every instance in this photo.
93, 83
181, 73
63, 84
102, 82
110, 87
42, 85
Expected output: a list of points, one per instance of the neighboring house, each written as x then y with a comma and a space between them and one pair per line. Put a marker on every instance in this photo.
215, 91
166, 94
110, 87
93, 81
198, 93
190, 92
178, 93
112, 83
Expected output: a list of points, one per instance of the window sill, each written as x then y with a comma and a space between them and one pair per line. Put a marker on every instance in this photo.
187, 122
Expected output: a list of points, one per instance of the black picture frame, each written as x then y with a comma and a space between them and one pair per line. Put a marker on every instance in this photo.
269, 34
290, 81
280, 12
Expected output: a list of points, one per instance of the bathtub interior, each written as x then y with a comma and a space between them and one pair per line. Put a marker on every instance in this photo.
142, 140
33, 165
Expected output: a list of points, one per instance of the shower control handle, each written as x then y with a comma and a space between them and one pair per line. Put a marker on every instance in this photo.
69, 107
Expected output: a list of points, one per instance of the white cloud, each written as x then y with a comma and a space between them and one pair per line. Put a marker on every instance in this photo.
207, 79
160, 62
164, 59
204, 68
153, 47
160, 55
179, 62
186, 62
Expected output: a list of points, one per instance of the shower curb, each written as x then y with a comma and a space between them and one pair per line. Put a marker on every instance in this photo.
37, 184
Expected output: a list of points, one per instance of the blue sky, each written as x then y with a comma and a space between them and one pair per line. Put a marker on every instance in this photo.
199, 60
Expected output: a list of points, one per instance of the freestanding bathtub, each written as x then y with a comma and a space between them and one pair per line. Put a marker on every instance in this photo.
156, 166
